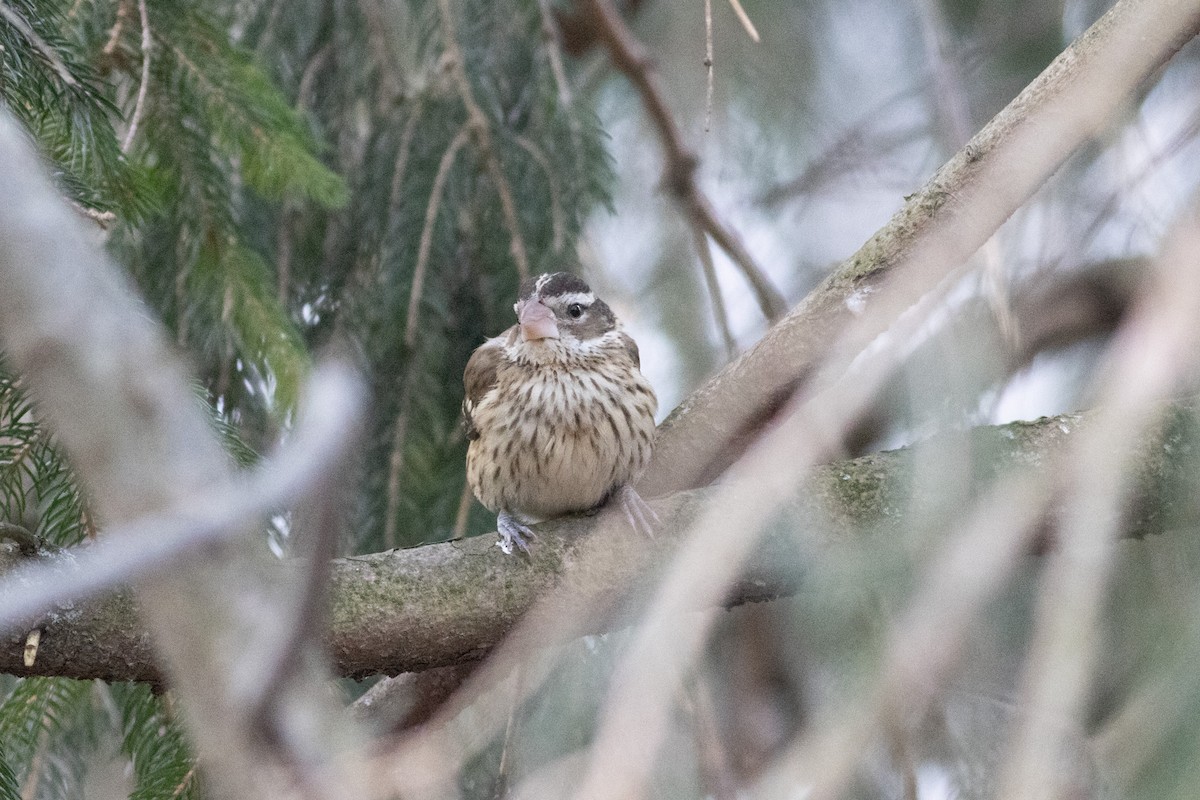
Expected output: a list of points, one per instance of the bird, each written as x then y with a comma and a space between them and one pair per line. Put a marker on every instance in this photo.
558, 415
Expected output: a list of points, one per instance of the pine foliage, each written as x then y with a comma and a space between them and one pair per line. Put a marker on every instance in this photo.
154, 743
46, 726
418, 268
277, 177
9, 790
37, 489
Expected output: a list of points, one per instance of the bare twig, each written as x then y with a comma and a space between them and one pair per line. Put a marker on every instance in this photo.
744, 18
714, 294
936, 231
950, 99
464, 512
426, 243
318, 535
631, 59
114, 34
481, 130
139, 106
550, 40
708, 65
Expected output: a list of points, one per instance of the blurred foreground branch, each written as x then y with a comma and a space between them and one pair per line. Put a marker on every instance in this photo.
444, 604
119, 401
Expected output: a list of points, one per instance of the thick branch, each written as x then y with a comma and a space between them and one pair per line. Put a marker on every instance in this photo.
935, 232
443, 604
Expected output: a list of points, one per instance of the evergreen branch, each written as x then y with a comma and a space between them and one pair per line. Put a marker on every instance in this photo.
39, 44
631, 59
481, 129
9, 789
556, 212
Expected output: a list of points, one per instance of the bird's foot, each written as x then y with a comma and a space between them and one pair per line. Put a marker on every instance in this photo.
513, 531
638, 513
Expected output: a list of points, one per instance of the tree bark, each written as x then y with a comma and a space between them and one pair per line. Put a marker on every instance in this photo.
446, 604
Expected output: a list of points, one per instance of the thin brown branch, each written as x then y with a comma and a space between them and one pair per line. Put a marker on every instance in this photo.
426, 242
708, 65
744, 18
550, 41
720, 317
481, 130
631, 59
935, 232
139, 105
124, 12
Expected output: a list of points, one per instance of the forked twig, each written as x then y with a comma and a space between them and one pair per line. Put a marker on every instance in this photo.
679, 178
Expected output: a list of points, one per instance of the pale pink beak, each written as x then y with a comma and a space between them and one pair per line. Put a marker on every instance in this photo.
537, 321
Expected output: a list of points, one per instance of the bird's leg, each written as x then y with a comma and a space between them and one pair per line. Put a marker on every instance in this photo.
638, 513
513, 531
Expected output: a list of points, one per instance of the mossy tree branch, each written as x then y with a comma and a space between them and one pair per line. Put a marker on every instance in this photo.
443, 604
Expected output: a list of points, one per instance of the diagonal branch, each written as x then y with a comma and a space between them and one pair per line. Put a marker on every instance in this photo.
939, 227
679, 177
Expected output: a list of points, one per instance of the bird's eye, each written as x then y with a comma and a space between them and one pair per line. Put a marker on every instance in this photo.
575, 310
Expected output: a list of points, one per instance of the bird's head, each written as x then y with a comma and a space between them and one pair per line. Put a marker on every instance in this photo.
559, 305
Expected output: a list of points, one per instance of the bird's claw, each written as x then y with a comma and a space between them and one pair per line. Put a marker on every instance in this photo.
638, 513
513, 531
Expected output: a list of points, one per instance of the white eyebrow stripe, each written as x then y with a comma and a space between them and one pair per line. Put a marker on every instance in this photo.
583, 298
540, 283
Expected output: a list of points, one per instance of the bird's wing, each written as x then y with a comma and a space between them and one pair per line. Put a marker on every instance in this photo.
479, 378
631, 348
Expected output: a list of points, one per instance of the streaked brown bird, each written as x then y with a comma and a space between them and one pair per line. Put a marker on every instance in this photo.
559, 416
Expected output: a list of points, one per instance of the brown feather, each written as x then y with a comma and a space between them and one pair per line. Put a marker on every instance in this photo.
479, 378
632, 349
